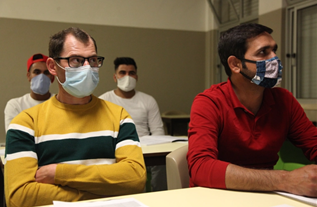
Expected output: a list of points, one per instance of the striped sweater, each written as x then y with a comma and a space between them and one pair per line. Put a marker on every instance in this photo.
95, 145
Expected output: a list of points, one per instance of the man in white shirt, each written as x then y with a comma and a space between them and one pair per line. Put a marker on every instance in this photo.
142, 108
40, 80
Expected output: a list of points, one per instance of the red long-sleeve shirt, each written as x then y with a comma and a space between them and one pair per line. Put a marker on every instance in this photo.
223, 131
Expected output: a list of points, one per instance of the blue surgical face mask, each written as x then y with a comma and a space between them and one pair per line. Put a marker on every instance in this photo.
268, 72
40, 84
81, 81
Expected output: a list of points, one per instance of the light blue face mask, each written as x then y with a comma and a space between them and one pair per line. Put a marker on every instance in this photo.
81, 81
40, 84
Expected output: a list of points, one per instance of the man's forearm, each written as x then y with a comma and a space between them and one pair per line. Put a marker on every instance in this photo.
22, 190
302, 181
106, 180
240, 178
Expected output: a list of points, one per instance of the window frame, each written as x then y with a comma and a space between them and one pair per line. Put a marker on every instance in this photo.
291, 50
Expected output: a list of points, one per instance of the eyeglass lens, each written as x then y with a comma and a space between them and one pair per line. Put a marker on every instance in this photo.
76, 61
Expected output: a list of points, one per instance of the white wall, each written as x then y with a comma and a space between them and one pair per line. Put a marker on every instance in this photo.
161, 14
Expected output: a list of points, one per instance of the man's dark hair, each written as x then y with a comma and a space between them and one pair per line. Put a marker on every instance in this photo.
234, 41
123, 61
56, 44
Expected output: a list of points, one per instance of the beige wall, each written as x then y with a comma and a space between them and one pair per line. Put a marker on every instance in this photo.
159, 14
211, 60
171, 63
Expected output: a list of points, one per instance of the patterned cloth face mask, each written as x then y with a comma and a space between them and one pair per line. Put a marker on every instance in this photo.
40, 84
81, 81
268, 72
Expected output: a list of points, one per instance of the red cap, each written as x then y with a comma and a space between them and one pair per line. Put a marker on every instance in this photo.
36, 58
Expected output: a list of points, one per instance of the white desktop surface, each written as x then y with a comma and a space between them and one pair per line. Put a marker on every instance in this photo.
207, 197
159, 148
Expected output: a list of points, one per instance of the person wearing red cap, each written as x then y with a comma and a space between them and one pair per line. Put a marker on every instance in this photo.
73, 146
40, 80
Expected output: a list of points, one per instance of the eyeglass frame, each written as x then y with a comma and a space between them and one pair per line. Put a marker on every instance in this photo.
67, 58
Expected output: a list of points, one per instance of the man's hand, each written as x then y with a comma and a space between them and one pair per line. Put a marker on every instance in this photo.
302, 181
46, 174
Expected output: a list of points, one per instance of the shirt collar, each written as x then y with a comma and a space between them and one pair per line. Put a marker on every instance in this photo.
231, 95
268, 99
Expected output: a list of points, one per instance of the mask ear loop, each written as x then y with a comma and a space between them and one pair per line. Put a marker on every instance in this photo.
250, 61
245, 67
60, 65
57, 76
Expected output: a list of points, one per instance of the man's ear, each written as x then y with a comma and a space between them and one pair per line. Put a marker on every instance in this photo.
235, 64
114, 78
28, 75
50, 64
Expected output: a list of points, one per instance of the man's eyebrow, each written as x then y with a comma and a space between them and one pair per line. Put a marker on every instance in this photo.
267, 47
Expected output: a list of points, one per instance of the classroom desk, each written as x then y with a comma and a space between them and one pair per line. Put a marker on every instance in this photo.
156, 154
172, 120
207, 197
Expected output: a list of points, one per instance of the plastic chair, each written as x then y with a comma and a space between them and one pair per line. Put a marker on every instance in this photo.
177, 169
291, 158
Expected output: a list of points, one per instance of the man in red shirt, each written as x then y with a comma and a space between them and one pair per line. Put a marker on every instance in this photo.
238, 127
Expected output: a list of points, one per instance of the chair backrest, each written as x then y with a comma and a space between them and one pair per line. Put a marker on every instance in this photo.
291, 158
177, 169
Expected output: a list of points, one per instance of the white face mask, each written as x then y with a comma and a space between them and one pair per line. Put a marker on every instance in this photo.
126, 83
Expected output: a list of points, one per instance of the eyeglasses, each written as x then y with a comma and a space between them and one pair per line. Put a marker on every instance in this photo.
77, 61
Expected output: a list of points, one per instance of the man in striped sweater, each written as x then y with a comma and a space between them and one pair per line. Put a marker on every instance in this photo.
74, 146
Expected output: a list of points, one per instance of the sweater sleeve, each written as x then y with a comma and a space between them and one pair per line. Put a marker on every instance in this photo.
205, 126
154, 118
21, 165
126, 176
